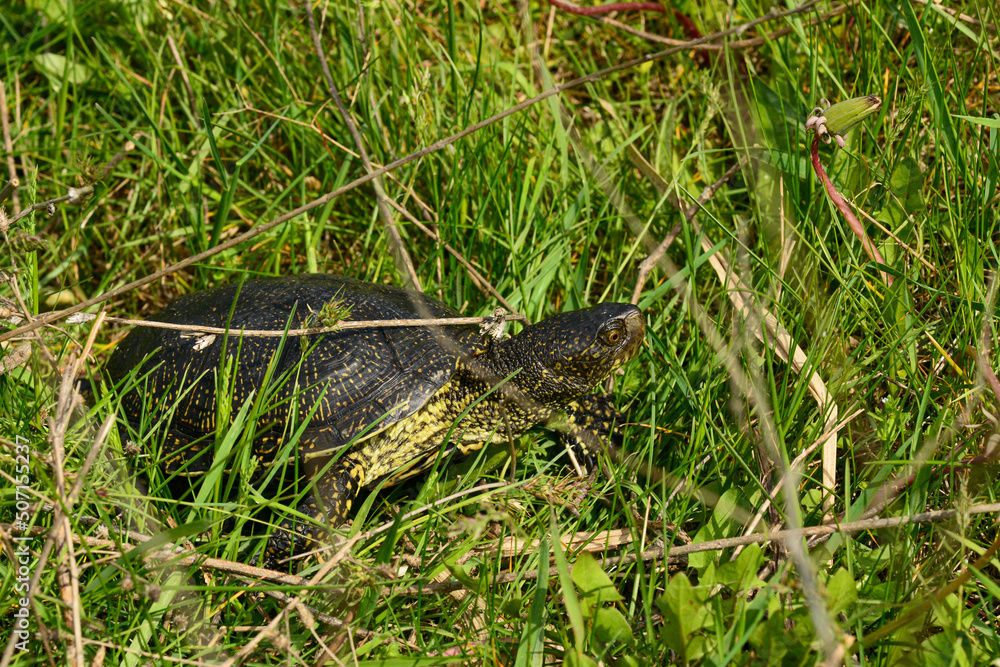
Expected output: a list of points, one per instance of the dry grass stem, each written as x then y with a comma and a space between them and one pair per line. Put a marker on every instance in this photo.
478, 279
15, 357
777, 338
402, 257
8, 189
735, 45
794, 465
308, 331
675, 554
8, 146
647, 265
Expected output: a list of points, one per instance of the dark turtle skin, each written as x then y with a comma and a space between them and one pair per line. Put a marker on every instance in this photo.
378, 403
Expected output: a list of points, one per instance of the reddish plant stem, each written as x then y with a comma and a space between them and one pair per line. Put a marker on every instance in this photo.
991, 378
607, 9
689, 27
845, 210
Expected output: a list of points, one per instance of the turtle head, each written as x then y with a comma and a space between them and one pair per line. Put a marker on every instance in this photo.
567, 355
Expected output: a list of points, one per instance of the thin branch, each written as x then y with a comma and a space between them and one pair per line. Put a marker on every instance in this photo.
477, 277
607, 9
67, 572
9, 149
670, 554
15, 357
192, 100
9, 188
939, 595
737, 45
845, 210
61, 532
958, 15
402, 257
647, 265
309, 331
888, 232
796, 462
675, 554
75, 195
596, 11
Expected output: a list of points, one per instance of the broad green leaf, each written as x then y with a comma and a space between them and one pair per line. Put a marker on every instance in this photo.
684, 613
531, 650
629, 661
142, 635
55, 69
54, 10
725, 520
610, 626
573, 610
592, 582
942, 649
950, 613
741, 574
771, 640
841, 591
906, 183
576, 658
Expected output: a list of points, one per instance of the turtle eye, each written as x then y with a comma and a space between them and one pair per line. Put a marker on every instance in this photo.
612, 337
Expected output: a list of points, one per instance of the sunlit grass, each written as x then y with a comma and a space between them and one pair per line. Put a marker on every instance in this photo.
226, 123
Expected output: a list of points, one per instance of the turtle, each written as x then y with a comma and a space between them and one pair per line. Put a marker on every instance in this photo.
371, 405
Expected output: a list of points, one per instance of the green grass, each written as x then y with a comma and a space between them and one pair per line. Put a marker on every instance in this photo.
231, 125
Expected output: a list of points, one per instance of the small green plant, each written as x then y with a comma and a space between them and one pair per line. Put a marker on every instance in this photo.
332, 313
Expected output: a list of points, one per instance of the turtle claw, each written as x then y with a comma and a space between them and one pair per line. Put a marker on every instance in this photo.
281, 546
593, 422
579, 452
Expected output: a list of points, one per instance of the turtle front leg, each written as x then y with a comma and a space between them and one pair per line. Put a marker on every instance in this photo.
329, 503
593, 422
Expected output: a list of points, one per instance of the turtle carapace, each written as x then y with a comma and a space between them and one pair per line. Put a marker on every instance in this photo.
379, 402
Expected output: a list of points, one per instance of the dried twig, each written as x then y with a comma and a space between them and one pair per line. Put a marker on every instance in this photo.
309, 331
796, 462
769, 331
9, 188
74, 196
735, 45
192, 100
646, 266
67, 572
986, 378
675, 554
971, 20
8, 146
69, 582
395, 240
609, 8
15, 357
291, 606
597, 11
477, 278
888, 232
939, 595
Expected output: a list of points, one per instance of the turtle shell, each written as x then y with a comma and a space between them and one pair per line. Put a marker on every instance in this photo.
355, 378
